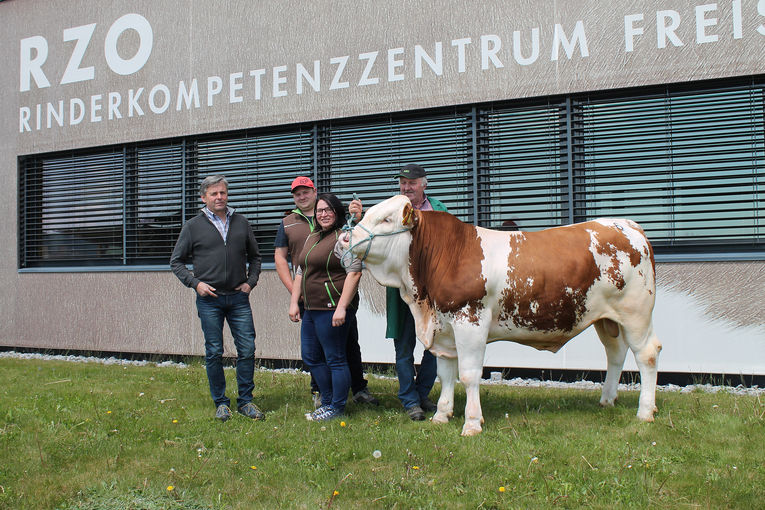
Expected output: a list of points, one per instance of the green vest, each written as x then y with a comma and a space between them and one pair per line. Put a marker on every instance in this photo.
395, 307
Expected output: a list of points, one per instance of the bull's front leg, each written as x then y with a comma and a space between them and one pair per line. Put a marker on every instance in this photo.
470, 353
447, 374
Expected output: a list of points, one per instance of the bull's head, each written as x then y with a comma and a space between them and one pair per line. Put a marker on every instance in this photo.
381, 239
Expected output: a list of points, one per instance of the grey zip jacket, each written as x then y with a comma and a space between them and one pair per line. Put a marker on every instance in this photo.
222, 265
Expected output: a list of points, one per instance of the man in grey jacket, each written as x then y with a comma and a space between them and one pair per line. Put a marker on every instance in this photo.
220, 244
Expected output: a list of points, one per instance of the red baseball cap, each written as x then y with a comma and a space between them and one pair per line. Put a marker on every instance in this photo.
302, 181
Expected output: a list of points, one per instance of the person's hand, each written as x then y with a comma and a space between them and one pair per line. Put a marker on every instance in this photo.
294, 313
338, 318
206, 290
355, 209
245, 287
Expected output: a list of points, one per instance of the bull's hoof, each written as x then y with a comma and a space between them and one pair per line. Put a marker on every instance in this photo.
471, 430
440, 417
646, 417
607, 403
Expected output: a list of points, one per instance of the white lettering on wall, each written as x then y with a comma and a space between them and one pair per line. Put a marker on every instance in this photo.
518, 56
340, 62
702, 22
257, 74
74, 72
738, 31
460, 44
724, 21
146, 37
214, 86
234, 85
31, 67
436, 64
57, 115
578, 37
186, 96
490, 46
76, 111
666, 31
394, 63
133, 106
114, 105
630, 31
95, 107
314, 80
153, 96
370, 57
278, 81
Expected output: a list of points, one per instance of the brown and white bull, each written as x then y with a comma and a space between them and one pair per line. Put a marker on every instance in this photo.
467, 286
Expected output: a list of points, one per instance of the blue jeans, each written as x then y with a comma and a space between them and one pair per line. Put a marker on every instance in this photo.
412, 389
234, 308
353, 356
323, 348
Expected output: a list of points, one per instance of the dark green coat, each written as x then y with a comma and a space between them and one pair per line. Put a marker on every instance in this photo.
395, 307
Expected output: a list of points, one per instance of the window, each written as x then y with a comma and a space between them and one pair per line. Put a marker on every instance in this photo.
71, 209
686, 162
687, 166
523, 179
363, 158
259, 168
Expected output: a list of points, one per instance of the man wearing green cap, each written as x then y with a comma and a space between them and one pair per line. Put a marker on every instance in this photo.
414, 386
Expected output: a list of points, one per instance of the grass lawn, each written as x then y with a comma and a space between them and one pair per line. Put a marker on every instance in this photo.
91, 436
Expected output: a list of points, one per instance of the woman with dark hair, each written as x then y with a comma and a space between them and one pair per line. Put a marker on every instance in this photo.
330, 299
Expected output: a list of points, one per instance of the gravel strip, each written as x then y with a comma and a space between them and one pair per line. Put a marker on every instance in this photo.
516, 382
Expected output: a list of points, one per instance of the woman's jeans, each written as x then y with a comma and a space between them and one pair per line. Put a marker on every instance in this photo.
234, 308
323, 348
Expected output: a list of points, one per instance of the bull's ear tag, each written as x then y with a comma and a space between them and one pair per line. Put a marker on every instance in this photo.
409, 218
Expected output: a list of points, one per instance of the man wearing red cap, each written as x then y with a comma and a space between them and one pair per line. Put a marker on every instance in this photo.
290, 238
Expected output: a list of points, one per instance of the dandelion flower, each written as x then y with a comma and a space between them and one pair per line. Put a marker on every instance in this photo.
170, 487
335, 493
253, 467
415, 467
342, 424
108, 412
377, 454
502, 489
175, 421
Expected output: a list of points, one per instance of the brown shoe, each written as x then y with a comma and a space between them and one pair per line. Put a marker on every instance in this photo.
415, 413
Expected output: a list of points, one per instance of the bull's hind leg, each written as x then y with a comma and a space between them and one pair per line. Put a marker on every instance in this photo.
447, 374
645, 345
616, 351
646, 350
